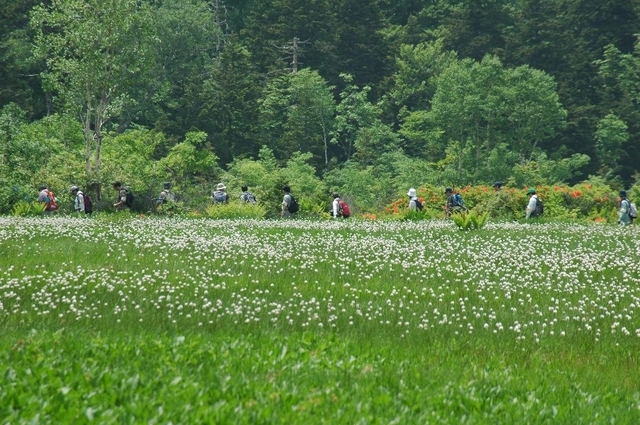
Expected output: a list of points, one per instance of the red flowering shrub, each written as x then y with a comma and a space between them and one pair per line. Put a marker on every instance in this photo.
585, 201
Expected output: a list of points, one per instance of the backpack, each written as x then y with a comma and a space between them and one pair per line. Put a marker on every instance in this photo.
539, 210
344, 209
419, 205
88, 203
249, 197
457, 200
633, 211
219, 197
293, 205
52, 203
130, 199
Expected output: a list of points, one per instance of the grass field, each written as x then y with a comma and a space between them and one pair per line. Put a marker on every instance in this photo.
209, 321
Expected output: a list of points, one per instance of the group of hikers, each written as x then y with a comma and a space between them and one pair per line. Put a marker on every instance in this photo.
339, 208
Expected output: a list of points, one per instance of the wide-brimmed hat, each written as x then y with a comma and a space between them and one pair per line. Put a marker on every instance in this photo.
497, 183
623, 193
221, 186
448, 190
531, 191
412, 192
74, 188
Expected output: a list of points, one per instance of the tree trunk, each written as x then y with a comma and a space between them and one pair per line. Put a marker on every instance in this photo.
88, 137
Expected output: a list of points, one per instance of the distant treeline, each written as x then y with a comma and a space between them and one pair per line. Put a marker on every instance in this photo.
450, 92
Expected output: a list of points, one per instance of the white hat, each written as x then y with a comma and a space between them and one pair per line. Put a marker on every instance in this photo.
221, 186
73, 188
412, 193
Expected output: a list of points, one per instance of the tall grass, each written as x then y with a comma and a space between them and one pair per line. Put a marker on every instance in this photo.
290, 321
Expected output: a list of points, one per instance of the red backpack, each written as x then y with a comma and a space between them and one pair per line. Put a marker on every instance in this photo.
51, 204
88, 203
344, 209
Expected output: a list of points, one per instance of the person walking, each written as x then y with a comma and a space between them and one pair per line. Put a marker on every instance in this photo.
624, 213
497, 187
451, 205
534, 206
48, 198
289, 203
414, 203
166, 195
80, 201
120, 203
339, 208
247, 197
220, 195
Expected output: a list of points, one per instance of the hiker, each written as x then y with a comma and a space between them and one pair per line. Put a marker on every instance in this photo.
414, 203
289, 203
454, 202
339, 208
624, 216
48, 198
220, 195
166, 195
81, 202
120, 204
534, 207
247, 197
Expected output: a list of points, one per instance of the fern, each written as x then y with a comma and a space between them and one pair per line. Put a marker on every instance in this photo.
28, 209
470, 220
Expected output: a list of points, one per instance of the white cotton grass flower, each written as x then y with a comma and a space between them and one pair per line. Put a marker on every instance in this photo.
239, 274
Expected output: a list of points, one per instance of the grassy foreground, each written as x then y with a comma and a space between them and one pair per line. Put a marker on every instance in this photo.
207, 321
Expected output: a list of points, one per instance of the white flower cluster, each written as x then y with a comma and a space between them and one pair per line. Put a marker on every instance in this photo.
525, 282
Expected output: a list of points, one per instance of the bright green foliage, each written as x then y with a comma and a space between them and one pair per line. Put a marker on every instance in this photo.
541, 170
302, 179
479, 106
274, 321
28, 209
297, 115
470, 220
612, 133
235, 210
94, 52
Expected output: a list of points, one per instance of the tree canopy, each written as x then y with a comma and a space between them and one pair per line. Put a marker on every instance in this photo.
465, 91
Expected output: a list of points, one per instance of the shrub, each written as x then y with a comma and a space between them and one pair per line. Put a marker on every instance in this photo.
28, 209
236, 210
470, 220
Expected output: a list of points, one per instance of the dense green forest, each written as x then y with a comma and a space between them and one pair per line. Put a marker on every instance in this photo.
367, 97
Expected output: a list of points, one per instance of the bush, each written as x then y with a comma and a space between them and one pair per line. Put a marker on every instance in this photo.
236, 210
28, 209
591, 200
470, 220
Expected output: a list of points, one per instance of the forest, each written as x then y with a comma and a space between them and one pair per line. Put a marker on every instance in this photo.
364, 97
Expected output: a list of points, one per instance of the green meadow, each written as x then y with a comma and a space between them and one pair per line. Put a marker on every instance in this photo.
173, 320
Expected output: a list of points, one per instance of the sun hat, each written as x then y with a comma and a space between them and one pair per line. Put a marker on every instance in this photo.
497, 183
531, 191
221, 186
447, 190
412, 193
623, 193
74, 187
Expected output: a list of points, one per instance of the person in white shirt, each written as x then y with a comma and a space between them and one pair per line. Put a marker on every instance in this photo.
533, 202
413, 206
624, 218
78, 203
